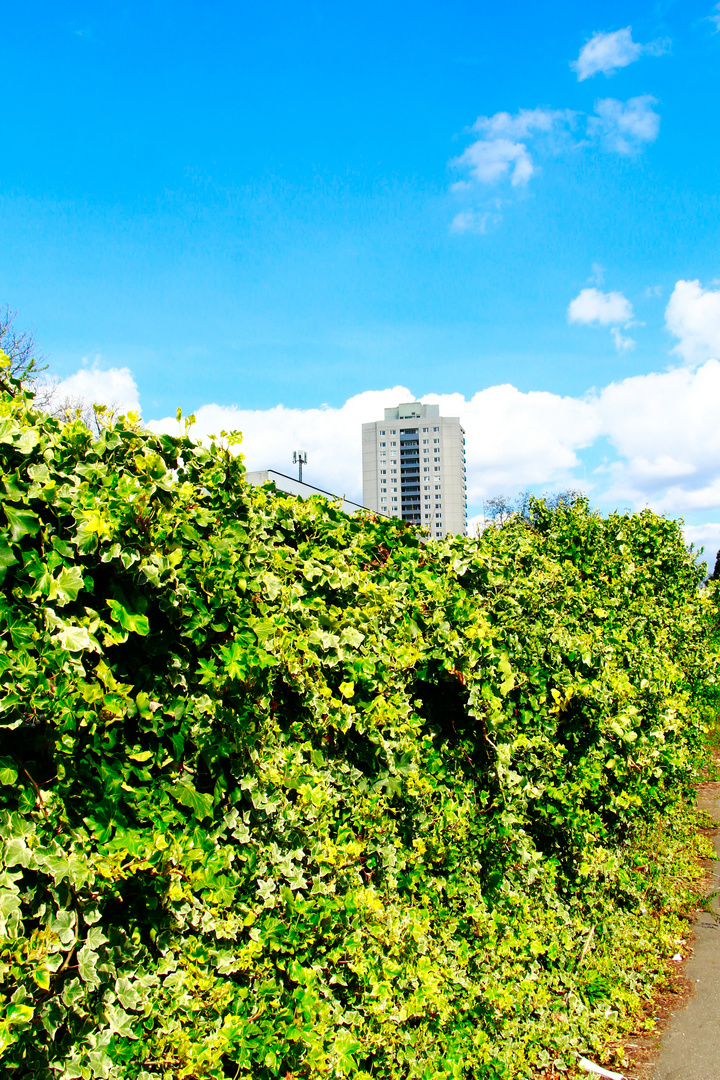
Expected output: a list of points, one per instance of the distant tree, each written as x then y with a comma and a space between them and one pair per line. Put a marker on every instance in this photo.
500, 509
715, 576
563, 498
522, 504
26, 363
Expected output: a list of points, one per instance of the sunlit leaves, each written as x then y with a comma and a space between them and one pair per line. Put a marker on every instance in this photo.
8, 771
22, 522
185, 793
133, 622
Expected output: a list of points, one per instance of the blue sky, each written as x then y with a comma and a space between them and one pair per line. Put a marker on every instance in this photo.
253, 206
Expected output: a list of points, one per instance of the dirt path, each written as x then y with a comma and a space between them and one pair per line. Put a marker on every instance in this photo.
690, 1046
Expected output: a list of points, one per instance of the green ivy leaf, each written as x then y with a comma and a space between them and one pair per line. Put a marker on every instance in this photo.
133, 622
200, 804
8, 771
69, 582
87, 965
22, 522
7, 555
75, 638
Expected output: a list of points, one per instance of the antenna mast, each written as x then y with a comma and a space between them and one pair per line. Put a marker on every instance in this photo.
300, 459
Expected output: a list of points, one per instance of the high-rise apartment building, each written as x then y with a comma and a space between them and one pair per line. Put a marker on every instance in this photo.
414, 468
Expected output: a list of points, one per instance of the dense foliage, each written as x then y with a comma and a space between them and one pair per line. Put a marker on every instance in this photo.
288, 793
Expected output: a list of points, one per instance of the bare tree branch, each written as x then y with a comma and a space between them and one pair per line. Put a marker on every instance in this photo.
26, 363
28, 367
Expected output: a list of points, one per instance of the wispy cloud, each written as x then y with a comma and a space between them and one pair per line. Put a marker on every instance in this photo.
607, 53
620, 341
715, 17
624, 127
501, 151
490, 160
598, 274
474, 221
508, 149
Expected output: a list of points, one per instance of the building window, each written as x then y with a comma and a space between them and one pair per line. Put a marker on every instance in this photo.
383, 472
426, 487
393, 498
382, 443
425, 429
437, 488
437, 468
436, 429
426, 468
382, 432
393, 433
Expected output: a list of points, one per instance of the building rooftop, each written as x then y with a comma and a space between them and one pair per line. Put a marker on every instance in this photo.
412, 410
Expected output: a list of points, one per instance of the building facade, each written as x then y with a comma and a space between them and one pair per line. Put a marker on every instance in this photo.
414, 468
290, 486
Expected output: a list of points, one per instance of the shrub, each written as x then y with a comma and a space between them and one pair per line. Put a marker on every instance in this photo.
289, 793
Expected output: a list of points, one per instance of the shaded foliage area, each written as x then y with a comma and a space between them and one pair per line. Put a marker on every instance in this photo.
287, 793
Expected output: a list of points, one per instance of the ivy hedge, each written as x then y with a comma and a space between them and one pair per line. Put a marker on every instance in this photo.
286, 793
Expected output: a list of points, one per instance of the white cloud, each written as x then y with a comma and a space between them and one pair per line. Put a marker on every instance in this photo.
501, 152
661, 428
606, 53
705, 536
693, 316
591, 306
523, 124
331, 436
664, 428
93, 385
491, 160
598, 274
474, 221
513, 439
624, 127
503, 149
661, 432
509, 146
620, 341
715, 17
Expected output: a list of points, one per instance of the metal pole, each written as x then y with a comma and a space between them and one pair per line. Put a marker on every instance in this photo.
300, 459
